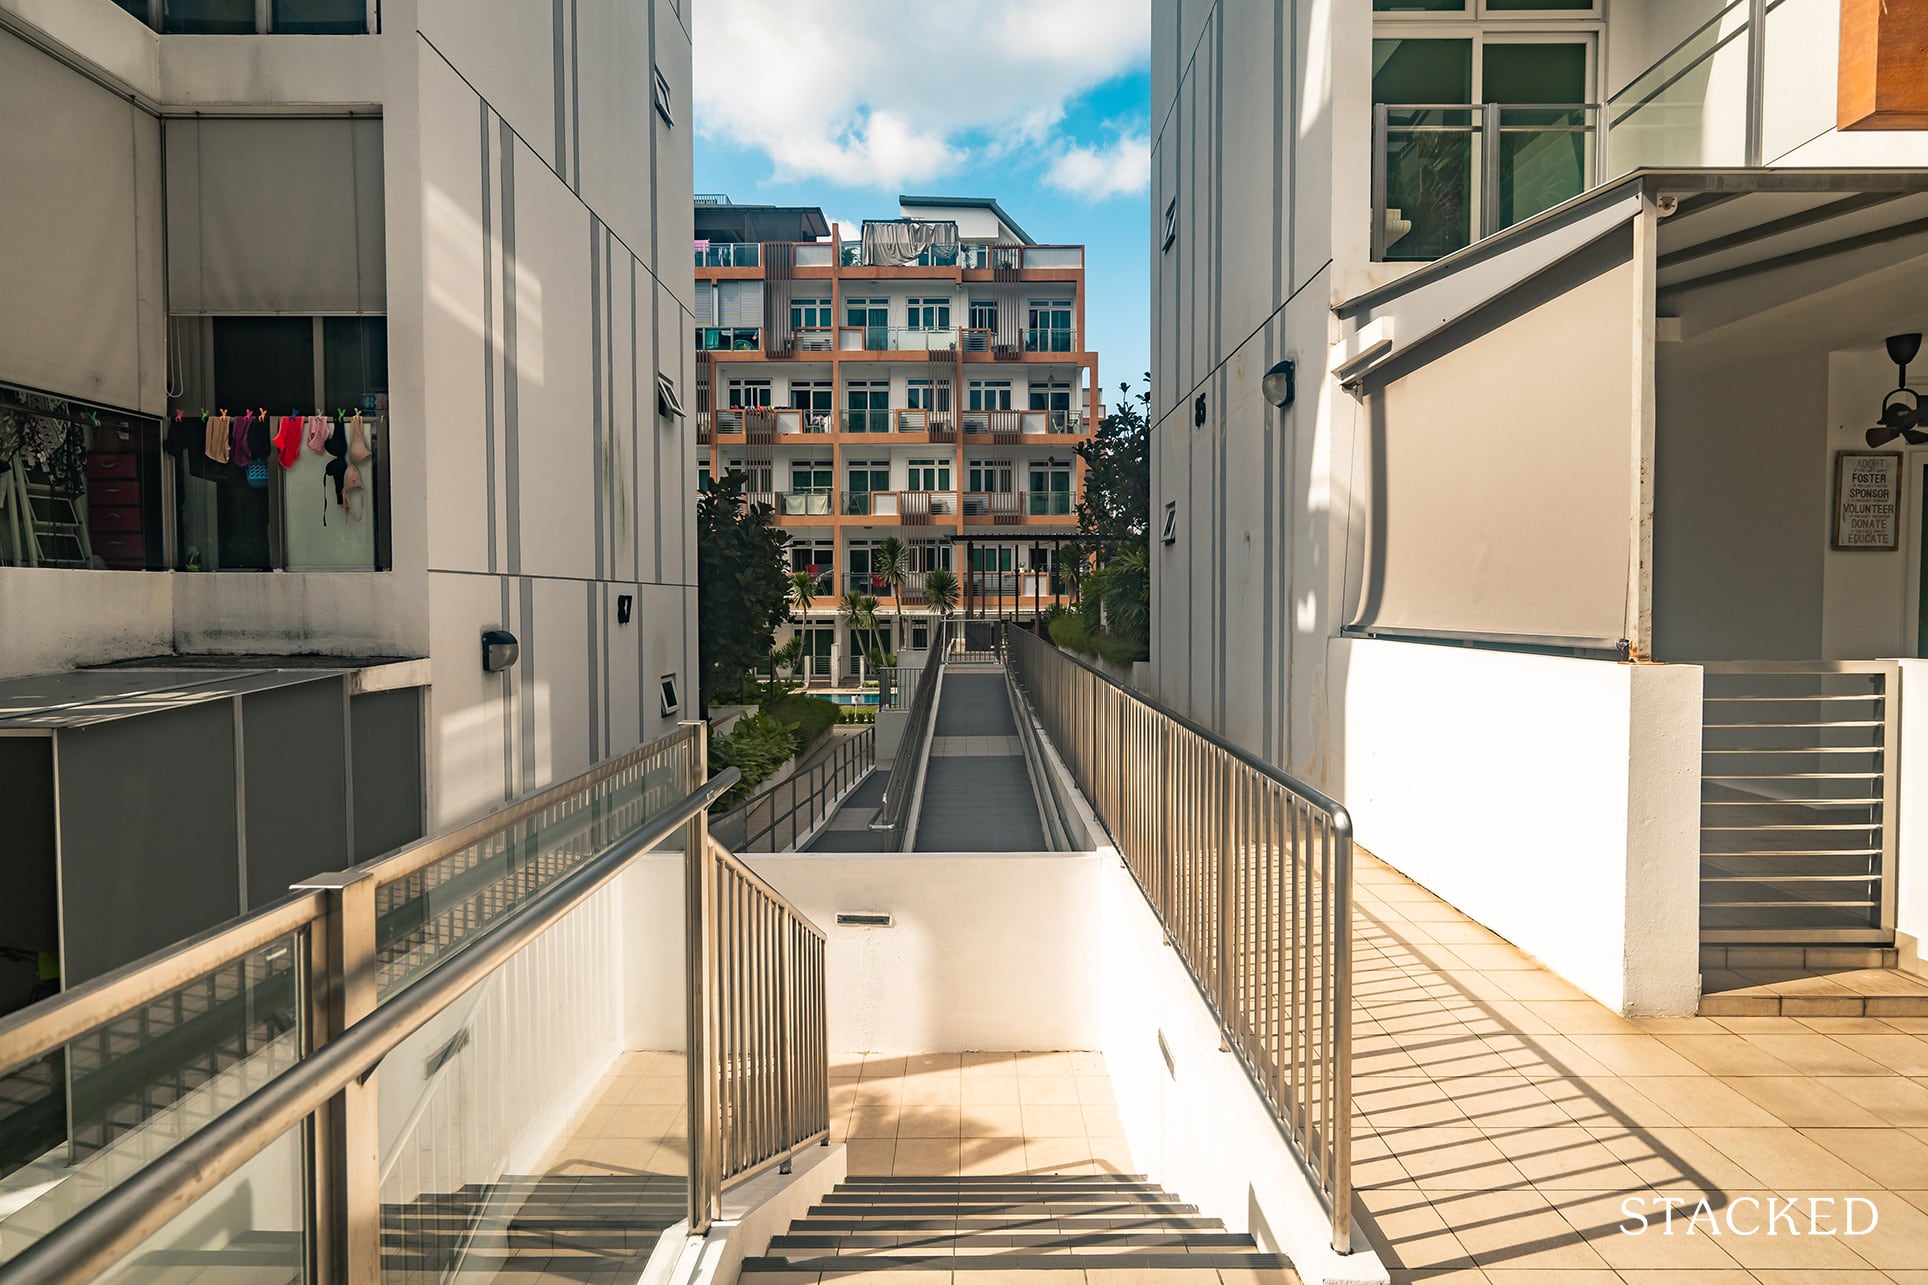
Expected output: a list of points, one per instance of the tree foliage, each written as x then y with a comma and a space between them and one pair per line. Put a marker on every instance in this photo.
743, 588
1115, 509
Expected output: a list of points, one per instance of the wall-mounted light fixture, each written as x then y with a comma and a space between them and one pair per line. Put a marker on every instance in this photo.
1278, 384
625, 603
499, 650
1900, 418
1198, 412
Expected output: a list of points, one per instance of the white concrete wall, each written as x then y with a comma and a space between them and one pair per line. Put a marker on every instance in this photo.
1556, 801
984, 952
52, 619
1870, 595
1911, 875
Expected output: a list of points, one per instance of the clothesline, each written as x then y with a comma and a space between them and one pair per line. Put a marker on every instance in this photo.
253, 439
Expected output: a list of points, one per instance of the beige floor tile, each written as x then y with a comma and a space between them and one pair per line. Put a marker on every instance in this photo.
897, 1276
1689, 1276
1580, 1017
999, 1155
1891, 1099
1556, 1057
870, 1156
1813, 1053
1799, 1101
927, 1156
1888, 1156
1634, 1054
1605, 1101
989, 1089
1901, 1053
1059, 1155
1567, 1159
928, 1122
1674, 1158
1703, 1100
1900, 1239
939, 1087
1866, 1276
1054, 1090
872, 1122
1006, 1276
1726, 1053
1624, 1242
654, 1090
846, 1065
1451, 1158
1111, 1152
1094, 1089
1045, 1063
1783, 1158
1052, 1121
641, 1121
1514, 1230
991, 1121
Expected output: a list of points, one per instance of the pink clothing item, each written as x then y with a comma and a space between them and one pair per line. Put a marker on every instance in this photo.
218, 442
287, 441
320, 429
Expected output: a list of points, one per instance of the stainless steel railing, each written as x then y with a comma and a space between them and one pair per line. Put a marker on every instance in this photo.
776, 819
272, 1027
907, 765
1250, 872
760, 1078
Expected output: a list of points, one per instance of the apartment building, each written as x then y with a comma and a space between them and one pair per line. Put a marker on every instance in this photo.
1534, 470
343, 470
925, 378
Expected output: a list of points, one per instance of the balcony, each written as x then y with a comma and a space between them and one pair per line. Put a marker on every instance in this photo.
810, 503
1010, 427
1446, 174
1011, 508
728, 254
729, 339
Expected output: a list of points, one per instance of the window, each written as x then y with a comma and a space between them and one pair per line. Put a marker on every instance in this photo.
320, 17
990, 394
812, 475
1170, 533
810, 314
984, 314
303, 485
814, 558
666, 688
930, 475
667, 402
750, 392
1171, 224
863, 477
209, 17
920, 635
755, 473
873, 317
703, 479
985, 476
996, 557
1048, 326
929, 556
1055, 400
930, 395
1049, 489
665, 104
869, 406
930, 314
816, 401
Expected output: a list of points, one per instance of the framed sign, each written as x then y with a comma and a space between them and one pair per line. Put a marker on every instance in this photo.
1867, 500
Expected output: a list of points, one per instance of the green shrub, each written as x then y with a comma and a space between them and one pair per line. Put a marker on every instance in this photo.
858, 713
809, 716
1073, 633
757, 746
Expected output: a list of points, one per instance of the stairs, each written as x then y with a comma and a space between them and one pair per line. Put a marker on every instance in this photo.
977, 1227
1808, 981
579, 1226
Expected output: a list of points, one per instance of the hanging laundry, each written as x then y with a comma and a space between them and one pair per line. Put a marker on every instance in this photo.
287, 441
219, 443
357, 442
320, 429
238, 439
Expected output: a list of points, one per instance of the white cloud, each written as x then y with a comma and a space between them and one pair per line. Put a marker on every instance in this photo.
1122, 169
877, 94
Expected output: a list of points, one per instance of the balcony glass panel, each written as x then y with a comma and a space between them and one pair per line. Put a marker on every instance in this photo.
1545, 157
727, 254
1690, 108
1428, 167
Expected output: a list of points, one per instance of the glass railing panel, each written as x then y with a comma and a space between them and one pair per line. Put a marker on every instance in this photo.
252, 1227
87, 1116
1546, 156
1798, 106
1690, 107
431, 912
1429, 168
727, 254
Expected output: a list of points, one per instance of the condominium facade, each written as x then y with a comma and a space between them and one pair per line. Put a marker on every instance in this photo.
340, 415
926, 378
1514, 363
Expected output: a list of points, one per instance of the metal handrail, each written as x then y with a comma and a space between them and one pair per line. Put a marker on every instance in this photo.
907, 766
824, 786
104, 1232
760, 1069
1250, 872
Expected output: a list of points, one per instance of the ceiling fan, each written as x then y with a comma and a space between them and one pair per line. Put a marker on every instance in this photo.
1898, 418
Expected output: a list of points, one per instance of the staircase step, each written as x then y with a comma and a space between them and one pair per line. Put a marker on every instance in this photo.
1012, 1207
1054, 1224
1087, 1242
1152, 1261
1002, 1179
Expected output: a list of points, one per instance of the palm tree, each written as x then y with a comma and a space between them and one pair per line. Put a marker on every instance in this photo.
940, 590
860, 611
803, 587
890, 559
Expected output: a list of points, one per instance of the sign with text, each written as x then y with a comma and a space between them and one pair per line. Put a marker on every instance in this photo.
1867, 500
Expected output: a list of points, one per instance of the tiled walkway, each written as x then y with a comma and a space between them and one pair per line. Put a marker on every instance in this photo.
945, 1114
1504, 1118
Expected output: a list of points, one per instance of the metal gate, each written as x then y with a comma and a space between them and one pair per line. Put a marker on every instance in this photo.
1799, 779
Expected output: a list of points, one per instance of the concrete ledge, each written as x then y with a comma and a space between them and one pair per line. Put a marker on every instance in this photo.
753, 1212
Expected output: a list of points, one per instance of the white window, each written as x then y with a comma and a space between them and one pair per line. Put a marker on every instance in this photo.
930, 475
932, 395
990, 394
930, 314
808, 314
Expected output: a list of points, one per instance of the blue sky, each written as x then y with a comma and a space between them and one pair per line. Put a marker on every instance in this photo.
1043, 104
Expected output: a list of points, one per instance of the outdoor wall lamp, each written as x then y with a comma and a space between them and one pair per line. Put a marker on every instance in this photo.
1899, 418
1278, 384
499, 650
624, 604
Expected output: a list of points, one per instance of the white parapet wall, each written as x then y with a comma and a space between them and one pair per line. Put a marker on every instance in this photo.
1911, 854
1553, 799
982, 952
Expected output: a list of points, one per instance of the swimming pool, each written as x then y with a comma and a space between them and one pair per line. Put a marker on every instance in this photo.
850, 698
